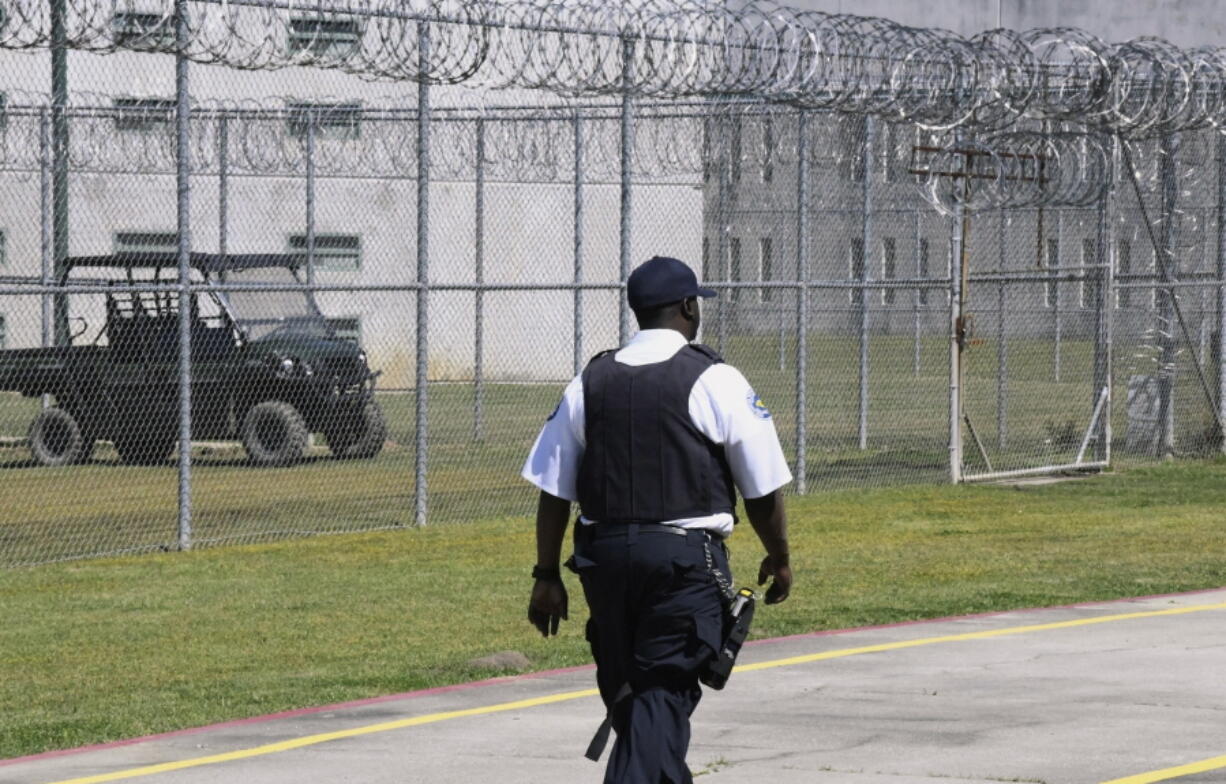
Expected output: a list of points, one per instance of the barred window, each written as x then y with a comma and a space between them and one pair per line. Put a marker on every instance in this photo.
889, 268
890, 135
145, 242
347, 328
326, 37
855, 269
144, 31
765, 268
335, 252
855, 162
144, 115
332, 120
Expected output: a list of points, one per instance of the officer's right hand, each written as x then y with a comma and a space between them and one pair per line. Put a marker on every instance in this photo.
548, 606
781, 586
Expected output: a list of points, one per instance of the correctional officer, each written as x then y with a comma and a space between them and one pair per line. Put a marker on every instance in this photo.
651, 441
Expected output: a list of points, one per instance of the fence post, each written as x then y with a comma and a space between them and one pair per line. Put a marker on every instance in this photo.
577, 363
721, 214
627, 156
1104, 278
1166, 296
957, 273
1057, 313
802, 298
866, 229
45, 241
916, 295
312, 119
1221, 282
59, 162
783, 360
479, 295
183, 183
1002, 343
223, 185
423, 272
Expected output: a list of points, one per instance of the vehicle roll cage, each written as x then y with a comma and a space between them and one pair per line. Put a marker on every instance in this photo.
207, 264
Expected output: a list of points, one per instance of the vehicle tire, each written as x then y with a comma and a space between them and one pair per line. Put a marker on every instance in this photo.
144, 448
274, 434
359, 434
57, 439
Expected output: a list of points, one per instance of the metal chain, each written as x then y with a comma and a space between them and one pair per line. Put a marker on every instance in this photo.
725, 585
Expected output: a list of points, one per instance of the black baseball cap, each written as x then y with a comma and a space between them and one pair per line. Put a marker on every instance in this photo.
661, 280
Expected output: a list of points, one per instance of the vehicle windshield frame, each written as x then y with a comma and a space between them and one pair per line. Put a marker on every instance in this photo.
312, 318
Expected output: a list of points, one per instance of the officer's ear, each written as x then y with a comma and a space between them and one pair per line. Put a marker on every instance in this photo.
691, 313
689, 308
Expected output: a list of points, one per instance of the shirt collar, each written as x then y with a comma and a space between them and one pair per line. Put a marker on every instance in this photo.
660, 338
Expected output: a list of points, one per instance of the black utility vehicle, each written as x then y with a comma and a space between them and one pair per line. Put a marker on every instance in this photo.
266, 368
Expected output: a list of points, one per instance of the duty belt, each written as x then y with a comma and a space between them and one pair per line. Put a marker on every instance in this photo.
608, 530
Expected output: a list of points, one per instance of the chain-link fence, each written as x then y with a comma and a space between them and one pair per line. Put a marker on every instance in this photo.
927, 273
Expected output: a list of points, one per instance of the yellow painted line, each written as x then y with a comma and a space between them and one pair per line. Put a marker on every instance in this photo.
984, 635
324, 737
1172, 773
431, 718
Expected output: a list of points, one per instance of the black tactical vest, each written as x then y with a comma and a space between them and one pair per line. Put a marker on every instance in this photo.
645, 461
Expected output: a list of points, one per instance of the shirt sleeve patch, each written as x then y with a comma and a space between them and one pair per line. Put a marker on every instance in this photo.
756, 405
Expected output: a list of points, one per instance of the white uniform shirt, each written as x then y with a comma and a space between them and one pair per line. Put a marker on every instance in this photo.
722, 406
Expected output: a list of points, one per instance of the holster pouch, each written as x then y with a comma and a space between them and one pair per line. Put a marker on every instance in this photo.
736, 628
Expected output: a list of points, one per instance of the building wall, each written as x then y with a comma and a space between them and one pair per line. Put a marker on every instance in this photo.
903, 236
1187, 23
528, 225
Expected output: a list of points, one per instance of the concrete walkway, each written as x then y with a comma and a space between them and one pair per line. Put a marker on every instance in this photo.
1091, 693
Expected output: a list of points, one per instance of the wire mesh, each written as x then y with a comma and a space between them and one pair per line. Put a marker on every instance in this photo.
935, 256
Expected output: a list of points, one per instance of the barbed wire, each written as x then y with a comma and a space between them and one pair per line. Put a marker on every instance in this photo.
121, 133
1145, 87
1030, 165
1019, 169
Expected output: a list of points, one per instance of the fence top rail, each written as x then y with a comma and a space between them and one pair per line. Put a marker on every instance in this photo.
8, 287
17, 286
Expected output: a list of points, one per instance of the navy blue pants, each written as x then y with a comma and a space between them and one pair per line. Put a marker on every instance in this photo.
656, 619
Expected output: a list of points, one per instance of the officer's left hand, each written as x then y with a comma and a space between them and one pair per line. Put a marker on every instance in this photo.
781, 586
548, 606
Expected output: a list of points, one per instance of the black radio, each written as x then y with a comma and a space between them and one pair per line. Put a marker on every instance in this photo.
736, 629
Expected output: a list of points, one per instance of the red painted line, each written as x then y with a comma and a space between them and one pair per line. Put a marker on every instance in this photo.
289, 714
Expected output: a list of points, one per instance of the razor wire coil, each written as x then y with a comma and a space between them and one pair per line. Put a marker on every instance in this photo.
1141, 88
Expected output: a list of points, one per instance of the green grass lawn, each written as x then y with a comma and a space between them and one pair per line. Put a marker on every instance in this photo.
107, 508
105, 649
